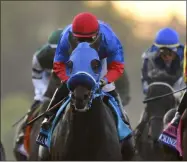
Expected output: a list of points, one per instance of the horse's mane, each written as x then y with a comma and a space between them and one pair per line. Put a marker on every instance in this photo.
165, 103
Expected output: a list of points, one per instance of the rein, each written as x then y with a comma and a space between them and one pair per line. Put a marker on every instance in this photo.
165, 95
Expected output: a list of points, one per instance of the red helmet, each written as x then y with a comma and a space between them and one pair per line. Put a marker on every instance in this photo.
85, 25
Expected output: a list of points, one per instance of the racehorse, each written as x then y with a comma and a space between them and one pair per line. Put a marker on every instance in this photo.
180, 153
147, 145
88, 129
2, 151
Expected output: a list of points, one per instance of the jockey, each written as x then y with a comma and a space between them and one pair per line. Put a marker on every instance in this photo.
164, 58
180, 110
86, 28
42, 65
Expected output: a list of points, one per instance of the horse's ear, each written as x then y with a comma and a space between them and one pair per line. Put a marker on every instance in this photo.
72, 41
95, 45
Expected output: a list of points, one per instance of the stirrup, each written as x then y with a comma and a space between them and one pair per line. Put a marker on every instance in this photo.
42, 138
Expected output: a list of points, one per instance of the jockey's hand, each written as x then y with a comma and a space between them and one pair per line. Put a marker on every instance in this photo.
103, 82
35, 104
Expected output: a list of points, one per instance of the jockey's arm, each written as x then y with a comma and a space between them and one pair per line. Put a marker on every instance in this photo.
38, 79
61, 57
115, 59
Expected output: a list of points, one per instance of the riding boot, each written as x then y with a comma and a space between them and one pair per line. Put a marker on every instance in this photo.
170, 132
124, 114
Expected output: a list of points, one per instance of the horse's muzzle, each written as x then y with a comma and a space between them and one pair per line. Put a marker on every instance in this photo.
82, 79
80, 98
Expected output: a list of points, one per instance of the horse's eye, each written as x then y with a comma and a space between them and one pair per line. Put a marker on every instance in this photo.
96, 65
69, 66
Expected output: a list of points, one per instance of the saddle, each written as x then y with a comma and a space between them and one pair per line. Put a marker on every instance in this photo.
173, 137
179, 136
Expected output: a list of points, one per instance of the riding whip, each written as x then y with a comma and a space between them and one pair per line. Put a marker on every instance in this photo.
19, 120
41, 115
165, 95
28, 112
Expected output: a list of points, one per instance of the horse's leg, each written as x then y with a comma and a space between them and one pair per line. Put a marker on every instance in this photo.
128, 148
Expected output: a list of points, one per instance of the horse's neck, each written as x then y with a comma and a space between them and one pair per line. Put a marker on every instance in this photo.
92, 126
87, 120
86, 129
158, 108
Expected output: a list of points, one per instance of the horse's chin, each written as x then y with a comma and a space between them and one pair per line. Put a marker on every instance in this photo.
80, 98
80, 105
83, 107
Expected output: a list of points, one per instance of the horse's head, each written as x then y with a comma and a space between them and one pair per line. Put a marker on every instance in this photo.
160, 88
83, 68
157, 109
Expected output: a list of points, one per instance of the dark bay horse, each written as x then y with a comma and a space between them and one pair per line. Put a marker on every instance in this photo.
147, 145
90, 135
88, 128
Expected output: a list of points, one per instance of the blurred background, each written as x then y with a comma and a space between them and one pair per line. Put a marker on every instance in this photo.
25, 26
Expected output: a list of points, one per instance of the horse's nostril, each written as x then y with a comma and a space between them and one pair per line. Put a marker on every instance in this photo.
73, 96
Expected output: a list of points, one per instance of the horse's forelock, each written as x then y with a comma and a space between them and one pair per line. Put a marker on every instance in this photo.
162, 84
162, 104
159, 88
